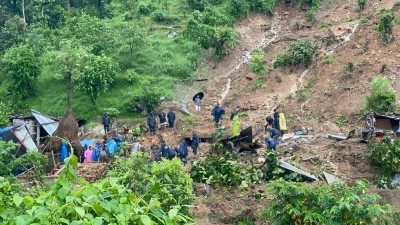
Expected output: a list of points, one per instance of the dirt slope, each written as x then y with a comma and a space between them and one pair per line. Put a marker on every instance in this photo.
331, 92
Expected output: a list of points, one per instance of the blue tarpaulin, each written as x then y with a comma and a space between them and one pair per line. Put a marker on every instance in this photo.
87, 142
2, 130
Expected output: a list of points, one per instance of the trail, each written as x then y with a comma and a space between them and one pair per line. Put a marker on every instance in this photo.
245, 59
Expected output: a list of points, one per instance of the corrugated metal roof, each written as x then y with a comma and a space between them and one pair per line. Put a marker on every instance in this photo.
25, 138
48, 124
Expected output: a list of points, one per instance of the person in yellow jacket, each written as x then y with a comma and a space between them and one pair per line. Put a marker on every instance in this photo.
282, 123
235, 122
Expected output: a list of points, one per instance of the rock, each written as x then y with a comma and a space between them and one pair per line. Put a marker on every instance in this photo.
396, 181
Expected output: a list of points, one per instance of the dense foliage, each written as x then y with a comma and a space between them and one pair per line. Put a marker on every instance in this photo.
74, 201
225, 170
382, 97
166, 180
385, 155
297, 203
5, 112
159, 40
298, 52
257, 64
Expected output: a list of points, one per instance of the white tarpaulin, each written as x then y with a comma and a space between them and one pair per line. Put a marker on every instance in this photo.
25, 138
47, 123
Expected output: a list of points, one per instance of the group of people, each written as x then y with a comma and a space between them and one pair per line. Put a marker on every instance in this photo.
164, 120
276, 127
181, 151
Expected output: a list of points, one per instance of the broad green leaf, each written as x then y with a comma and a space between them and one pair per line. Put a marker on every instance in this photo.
173, 212
145, 219
80, 211
17, 199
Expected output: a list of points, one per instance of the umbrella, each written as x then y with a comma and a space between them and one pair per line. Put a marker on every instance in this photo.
200, 94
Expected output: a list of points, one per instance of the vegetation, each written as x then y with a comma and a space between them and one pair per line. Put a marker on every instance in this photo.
166, 180
298, 52
385, 28
296, 203
361, 4
5, 112
382, 97
385, 155
257, 64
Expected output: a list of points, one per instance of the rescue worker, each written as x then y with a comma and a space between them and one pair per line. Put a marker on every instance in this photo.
282, 123
276, 119
274, 133
197, 102
106, 123
163, 119
183, 152
271, 144
217, 113
171, 119
195, 143
151, 122
235, 122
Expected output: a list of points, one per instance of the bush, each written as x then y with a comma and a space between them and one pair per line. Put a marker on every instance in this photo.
146, 9
225, 170
382, 97
165, 180
296, 203
159, 16
298, 52
280, 60
385, 155
301, 52
361, 4
5, 113
258, 84
197, 4
385, 28
257, 64
239, 8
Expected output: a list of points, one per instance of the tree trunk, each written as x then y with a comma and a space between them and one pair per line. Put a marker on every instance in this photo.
69, 77
23, 10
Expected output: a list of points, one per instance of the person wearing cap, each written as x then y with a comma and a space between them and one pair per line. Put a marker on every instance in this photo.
151, 122
163, 118
183, 152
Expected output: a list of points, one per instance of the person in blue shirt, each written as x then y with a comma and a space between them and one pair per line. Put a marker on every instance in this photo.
183, 152
172, 153
217, 113
274, 133
96, 153
112, 147
195, 143
271, 144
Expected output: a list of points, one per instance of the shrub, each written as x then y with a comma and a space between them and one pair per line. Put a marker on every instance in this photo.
5, 113
280, 60
257, 64
361, 4
385, 155
301, 52
146, 9
159, 16
197, 4
258, 84
382, 97
239, 8
298, 52
225, 170
297, 203
385, 28
165, 180
328, 59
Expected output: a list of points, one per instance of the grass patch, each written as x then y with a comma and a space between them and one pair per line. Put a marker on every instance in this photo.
328, 59
189, 118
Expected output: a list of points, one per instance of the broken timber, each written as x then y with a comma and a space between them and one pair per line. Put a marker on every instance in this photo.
287, 166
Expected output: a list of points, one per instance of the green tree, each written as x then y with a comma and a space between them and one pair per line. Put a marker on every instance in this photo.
297, 203
68, 62
382, 97
14, 32
239, 8
131, 36
22, 67
4, 115
98, 76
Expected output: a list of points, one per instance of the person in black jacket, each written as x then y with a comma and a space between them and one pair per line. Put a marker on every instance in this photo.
195, 143
151, 121
171, 119
163, 118
106, 122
